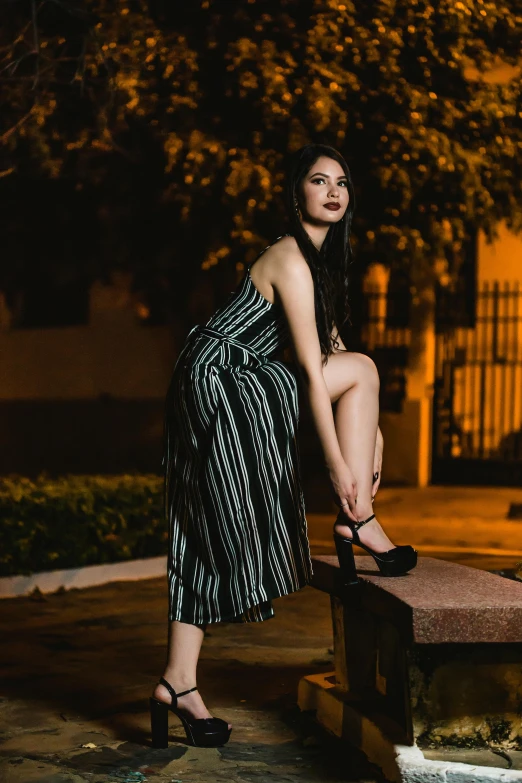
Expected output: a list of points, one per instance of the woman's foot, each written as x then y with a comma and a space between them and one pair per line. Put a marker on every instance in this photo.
191, 704
371, 534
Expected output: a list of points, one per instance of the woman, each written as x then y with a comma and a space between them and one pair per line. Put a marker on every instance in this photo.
238, 534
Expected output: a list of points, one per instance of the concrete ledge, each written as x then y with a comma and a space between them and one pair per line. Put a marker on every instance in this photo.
87, 576
437, 603
400, 763
433, 658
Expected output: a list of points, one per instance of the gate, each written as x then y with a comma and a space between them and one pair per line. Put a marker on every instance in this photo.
477, 421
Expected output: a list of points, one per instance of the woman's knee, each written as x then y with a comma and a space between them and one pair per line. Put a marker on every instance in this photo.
345, 371
366, 370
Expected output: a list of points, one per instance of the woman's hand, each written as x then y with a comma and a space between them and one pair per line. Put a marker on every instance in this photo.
345, 489
377, 463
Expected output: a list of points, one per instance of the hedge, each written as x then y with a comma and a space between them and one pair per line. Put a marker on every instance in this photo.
48, 524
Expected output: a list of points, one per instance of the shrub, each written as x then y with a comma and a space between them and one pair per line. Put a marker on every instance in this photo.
71, 521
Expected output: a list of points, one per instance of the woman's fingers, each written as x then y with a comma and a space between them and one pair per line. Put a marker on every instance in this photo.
346, 496
353, 502
376, 481
350, 513
350, 503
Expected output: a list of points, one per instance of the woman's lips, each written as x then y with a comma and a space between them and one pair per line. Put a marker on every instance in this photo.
333, 206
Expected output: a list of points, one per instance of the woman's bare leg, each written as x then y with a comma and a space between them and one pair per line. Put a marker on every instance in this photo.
185, 642
353, 382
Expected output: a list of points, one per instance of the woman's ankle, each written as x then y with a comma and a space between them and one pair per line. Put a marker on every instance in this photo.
180, 680
362, 512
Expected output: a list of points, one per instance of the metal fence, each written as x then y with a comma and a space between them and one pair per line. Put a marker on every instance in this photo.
477, 406
478, 391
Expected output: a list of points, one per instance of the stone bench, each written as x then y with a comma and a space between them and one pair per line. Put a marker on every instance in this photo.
429, 660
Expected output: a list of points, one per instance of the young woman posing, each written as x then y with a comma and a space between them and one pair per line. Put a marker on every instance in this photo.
234, 501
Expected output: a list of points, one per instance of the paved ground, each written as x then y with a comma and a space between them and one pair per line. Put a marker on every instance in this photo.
76, 668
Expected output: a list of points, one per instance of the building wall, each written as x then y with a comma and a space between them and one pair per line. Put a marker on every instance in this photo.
85, 399
114, 354
500, 260
122, 360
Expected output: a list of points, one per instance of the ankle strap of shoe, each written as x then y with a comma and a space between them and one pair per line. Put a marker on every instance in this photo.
189, 691
173, 693
356, 525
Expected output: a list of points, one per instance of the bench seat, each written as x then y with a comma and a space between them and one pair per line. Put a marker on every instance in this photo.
431, 659
436, 603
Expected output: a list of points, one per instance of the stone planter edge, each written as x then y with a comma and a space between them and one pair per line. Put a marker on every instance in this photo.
86, 576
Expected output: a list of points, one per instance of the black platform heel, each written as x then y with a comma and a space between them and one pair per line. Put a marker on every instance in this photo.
201, 732
394, 562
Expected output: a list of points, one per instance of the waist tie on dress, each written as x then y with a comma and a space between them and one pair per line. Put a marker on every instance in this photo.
214, 333
206, 330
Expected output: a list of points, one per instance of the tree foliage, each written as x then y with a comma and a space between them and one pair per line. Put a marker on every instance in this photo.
178, 115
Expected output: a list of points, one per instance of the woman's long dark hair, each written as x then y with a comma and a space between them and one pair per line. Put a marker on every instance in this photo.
329, 266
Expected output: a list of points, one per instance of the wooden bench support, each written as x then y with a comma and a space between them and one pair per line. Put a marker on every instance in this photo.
431, 660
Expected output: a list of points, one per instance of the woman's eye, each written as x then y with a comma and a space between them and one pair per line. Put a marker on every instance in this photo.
321, 179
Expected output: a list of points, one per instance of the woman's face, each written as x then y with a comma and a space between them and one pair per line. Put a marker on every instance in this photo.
323, 196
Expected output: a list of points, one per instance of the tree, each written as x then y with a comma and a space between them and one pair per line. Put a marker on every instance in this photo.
181, 116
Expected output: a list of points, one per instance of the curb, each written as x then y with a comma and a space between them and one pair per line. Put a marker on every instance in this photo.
415, 768
372, 735
87, 576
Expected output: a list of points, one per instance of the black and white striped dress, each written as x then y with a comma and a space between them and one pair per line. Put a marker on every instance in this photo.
233, 497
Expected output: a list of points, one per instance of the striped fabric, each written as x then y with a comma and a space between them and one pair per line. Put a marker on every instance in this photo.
233, 498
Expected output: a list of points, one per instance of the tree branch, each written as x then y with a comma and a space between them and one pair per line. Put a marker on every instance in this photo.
36, 39
8, 133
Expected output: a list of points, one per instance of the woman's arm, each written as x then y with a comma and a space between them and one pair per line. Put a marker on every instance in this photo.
292, 280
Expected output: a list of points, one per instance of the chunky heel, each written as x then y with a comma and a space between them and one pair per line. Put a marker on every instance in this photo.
159, 723
201, 732
395, 562
346, 560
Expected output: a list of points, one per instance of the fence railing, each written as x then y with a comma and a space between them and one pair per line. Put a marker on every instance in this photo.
479, 380
478, 389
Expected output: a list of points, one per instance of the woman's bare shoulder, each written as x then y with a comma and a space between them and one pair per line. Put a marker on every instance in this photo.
285, 258
287, 244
